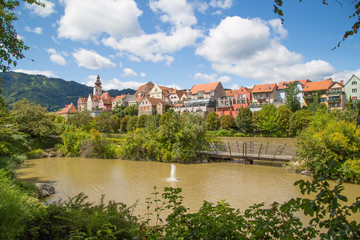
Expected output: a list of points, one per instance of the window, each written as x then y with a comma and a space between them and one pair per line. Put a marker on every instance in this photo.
353, 83
267, 95
354, 90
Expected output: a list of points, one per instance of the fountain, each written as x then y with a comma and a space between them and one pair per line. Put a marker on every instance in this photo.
172, 173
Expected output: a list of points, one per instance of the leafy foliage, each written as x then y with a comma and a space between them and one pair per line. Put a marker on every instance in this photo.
212, 121
292, 101
227, 122
32, 119
267, 120
283, 115
299, 120
244, 120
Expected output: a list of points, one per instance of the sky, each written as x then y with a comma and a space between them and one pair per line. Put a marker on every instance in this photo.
179, 43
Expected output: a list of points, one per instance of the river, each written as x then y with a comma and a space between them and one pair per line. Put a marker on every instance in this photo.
130, 181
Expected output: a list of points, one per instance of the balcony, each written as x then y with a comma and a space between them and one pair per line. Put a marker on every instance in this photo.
337, 93
334, 100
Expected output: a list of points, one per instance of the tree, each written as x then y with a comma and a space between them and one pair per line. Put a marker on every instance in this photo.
32, 119
141, 121
212, 121
123, 123
81, 119
244, 120
11, 46
267, 119
131, 124
106, 123
227, 122
356, 15
299, 120
291, 100
283, 115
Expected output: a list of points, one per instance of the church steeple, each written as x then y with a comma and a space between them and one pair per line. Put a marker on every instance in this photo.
97, 91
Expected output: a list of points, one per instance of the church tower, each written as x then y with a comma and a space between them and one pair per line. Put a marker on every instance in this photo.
97, 88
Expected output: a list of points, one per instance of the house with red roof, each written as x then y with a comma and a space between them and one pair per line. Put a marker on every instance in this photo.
124, 100
152, 106
265, 93
281, 95
143, 90
177, 96
160, 92
207, 90
319, 88
336, 96
82, 104
67, 111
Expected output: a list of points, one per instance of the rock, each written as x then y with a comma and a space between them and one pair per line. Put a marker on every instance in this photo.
205, 161
45, 189
306, 172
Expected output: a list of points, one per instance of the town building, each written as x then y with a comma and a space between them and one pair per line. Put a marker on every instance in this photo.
336, 96
124, 100
317, 89
67, 111
265, 93
177, 96
207, 90
160, 92
281, 95
352, 89
143, 90
152, 106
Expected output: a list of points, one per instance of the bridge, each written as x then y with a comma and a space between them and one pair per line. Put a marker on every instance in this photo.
248, 152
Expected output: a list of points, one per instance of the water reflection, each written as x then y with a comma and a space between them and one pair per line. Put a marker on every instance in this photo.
128, 181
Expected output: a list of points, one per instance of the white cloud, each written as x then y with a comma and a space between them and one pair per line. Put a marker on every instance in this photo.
177, 12
117, 84
142, 75
128, 72
56, 57
224, 4
345, 75
87, 20
175, 86
42, 11
37, 72
92, 60
37, 30
251, 48
156, 47
212, 78
235, 86
201, 6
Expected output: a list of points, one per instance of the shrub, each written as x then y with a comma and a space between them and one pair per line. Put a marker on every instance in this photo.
244, 120
212, 121
227, 122
38, 153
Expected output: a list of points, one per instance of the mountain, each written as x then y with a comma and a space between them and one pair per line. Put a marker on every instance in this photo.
51, 93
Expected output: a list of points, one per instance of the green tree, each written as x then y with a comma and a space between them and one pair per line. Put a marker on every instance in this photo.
11, 46
355, 15
32, 119
291, 99
267, 121
81, 119
283, 115
131, 124
244, 120
106, 123
141, 121
227, 122
121, 111
299, 120
212, 121
123, 124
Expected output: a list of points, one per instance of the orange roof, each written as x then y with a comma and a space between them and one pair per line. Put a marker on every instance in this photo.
229, 93
178, 93
319, 85
263, 88
67, 109
206, 88
155, 101
283, 85
145, 88
82, 100
119, 97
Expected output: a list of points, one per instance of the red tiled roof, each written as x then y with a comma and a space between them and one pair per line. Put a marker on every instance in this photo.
82, 100
283, 85
119, 97
155, 101
206, 88
229, 93
263, 88
67, 109
148, 85
319, 85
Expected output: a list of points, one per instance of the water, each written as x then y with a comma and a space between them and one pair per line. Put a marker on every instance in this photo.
128, 181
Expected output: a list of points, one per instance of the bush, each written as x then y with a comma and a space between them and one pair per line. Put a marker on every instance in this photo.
212, 121
227, 122
72, 142
15, 207
38, 153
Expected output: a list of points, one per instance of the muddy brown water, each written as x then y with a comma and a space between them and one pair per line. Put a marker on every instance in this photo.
130, 181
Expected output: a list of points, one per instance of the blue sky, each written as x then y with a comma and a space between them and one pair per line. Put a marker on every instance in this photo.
180, 43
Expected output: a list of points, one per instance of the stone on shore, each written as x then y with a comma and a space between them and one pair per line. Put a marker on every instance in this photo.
45, 189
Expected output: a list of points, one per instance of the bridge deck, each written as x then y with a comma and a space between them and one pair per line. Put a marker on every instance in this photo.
262, 157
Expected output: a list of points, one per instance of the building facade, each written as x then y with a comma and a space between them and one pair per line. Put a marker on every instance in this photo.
352, 89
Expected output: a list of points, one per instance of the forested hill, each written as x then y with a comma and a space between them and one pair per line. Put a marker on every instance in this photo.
51, 93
